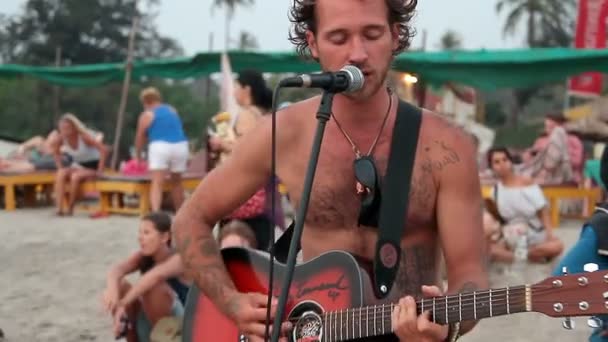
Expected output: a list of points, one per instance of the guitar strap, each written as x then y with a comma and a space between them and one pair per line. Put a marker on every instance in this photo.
395, 197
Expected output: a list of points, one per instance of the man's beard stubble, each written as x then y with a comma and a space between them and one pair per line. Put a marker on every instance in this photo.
372, 85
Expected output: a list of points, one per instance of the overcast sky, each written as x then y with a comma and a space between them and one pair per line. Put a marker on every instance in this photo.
190, 22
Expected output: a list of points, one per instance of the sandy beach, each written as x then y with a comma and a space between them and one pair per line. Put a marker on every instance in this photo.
54, 272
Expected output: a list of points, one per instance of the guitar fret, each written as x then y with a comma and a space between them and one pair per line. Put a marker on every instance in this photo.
360, 314
474, 305
346, 332
367, 321
335, 326
340, 329
382, 310
352, 321
460, 307
491, 303
375, 321
434, 311
446, 310
508, 305
421, 306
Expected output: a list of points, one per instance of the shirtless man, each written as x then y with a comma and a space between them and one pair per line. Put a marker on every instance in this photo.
445, 198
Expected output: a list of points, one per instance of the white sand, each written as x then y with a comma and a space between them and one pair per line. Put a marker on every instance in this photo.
54, 269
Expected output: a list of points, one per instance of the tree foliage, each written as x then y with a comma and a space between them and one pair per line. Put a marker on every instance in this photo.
86, 31
90, 31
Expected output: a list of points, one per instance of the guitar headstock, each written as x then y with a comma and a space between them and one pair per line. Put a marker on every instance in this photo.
580, 294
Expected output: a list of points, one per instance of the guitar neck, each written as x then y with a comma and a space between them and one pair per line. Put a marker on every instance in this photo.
370, 321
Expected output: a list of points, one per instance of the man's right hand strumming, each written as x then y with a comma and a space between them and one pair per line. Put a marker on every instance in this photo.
248, 311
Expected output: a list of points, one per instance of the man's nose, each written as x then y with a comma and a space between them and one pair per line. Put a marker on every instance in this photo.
358, 52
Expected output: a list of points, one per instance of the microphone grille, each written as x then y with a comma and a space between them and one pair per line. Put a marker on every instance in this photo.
355, 77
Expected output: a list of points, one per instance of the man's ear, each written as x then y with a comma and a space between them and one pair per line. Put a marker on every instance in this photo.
395, 36
312, 44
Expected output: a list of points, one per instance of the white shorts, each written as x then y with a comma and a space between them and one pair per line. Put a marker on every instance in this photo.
168, 156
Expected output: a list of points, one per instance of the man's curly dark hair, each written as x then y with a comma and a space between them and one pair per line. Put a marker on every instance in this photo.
302, 17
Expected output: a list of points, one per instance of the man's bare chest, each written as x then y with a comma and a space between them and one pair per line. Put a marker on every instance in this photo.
334, 201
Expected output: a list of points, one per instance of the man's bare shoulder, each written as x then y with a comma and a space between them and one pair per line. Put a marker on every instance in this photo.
448, 145
446, 128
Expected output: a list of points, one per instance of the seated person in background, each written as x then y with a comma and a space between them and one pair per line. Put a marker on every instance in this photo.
591, 247
237, 234
37, 145
88, 159
170, 271
34, 154
556, 157
160, 292
523, 211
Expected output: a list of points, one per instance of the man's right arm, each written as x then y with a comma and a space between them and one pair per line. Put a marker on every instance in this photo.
219, 193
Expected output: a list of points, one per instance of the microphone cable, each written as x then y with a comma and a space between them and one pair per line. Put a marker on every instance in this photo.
273, 184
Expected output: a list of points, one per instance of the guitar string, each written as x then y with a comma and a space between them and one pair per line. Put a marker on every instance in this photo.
464, 298
388, 318
498, 299
468, 298
339, 323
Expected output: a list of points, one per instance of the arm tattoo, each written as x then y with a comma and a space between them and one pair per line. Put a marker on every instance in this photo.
202, 259
447, 156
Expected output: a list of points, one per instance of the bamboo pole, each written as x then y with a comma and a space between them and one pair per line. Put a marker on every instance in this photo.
125, 92
56, 109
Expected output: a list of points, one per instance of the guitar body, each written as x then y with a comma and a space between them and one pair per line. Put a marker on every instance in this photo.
333, 281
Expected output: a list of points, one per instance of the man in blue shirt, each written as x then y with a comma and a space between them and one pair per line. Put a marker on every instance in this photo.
592, 247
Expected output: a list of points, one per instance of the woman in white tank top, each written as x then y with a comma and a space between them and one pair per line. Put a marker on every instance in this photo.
520, 205
88, 159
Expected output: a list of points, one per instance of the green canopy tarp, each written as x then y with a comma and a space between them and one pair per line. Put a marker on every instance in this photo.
484, 69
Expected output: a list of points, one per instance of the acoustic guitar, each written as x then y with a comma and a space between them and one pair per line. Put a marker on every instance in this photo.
331, 299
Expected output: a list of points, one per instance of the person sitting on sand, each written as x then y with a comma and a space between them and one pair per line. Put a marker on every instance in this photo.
521, 212
88, 160
150, 299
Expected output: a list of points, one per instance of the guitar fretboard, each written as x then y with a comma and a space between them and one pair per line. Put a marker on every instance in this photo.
375, 320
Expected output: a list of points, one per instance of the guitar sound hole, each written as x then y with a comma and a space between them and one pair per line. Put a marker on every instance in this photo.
308, 324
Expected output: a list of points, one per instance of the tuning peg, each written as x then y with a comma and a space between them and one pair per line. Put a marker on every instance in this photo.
568, 323
591, 267
594, 322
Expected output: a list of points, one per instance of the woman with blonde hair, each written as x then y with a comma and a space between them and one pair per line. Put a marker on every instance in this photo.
88, 156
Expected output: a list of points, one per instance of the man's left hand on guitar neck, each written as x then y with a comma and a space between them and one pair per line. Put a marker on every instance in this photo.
411, 327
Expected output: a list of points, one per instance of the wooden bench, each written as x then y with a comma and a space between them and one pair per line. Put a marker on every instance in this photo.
113, 189
554, 193
29, 180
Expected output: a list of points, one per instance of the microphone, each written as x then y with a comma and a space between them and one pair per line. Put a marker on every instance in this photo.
349, 79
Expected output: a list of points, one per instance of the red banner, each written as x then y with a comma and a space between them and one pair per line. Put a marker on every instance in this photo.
590, 34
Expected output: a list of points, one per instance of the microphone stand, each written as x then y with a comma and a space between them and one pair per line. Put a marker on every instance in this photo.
323, 115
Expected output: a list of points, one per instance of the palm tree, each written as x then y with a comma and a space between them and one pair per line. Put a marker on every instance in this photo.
548, 22
229, 6
247, 41
450, 40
